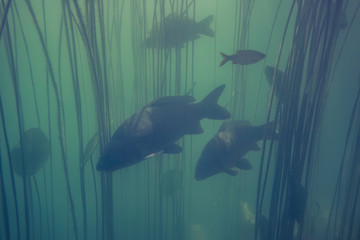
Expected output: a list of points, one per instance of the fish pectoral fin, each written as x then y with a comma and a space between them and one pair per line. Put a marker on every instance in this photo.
231, 172
172, 149
195, 128
243, 164
254, 147
152, 155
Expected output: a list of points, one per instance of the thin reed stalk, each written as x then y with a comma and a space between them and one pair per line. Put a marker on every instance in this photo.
15, 82
60, 127
4, 18
13, 186
4, 205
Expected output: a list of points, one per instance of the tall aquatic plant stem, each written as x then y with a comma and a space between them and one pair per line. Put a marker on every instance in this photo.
260, 197
70, 40
13, 186
301, 113
4, 18
4, 202
15, 81
98, 75
335, 203
60, 127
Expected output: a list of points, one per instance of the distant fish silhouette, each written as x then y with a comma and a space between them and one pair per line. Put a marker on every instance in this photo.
228, 147
270, 73
243, 57
35, 150
298, 199
175, 31
157, 126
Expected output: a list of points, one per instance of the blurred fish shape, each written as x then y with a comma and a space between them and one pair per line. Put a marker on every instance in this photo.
297, 200
157, 126
226, 150
242, 57
279, 75
35, 150
174, 31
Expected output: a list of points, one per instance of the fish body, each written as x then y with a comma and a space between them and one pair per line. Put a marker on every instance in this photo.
35, 150
243, 57
157, 126
174, 31
226, 150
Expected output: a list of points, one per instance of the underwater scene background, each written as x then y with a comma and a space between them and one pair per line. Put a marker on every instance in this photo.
71, 72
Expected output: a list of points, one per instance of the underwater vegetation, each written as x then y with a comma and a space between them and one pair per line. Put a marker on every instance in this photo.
100, 111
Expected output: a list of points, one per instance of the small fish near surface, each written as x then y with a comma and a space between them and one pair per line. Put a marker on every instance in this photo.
157, 126
35, 150
242, 57
174, 31
226, 150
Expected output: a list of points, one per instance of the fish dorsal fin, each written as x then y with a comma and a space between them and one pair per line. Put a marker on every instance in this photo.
243, 164
171, 100
226, 125
195, 128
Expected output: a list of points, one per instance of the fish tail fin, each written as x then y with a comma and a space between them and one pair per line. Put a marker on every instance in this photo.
212, 109
225, 58
204, 26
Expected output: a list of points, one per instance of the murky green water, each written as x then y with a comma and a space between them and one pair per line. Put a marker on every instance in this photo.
78, 68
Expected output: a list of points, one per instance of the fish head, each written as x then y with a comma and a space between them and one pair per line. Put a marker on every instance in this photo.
211, 159
117, 155
269, 73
